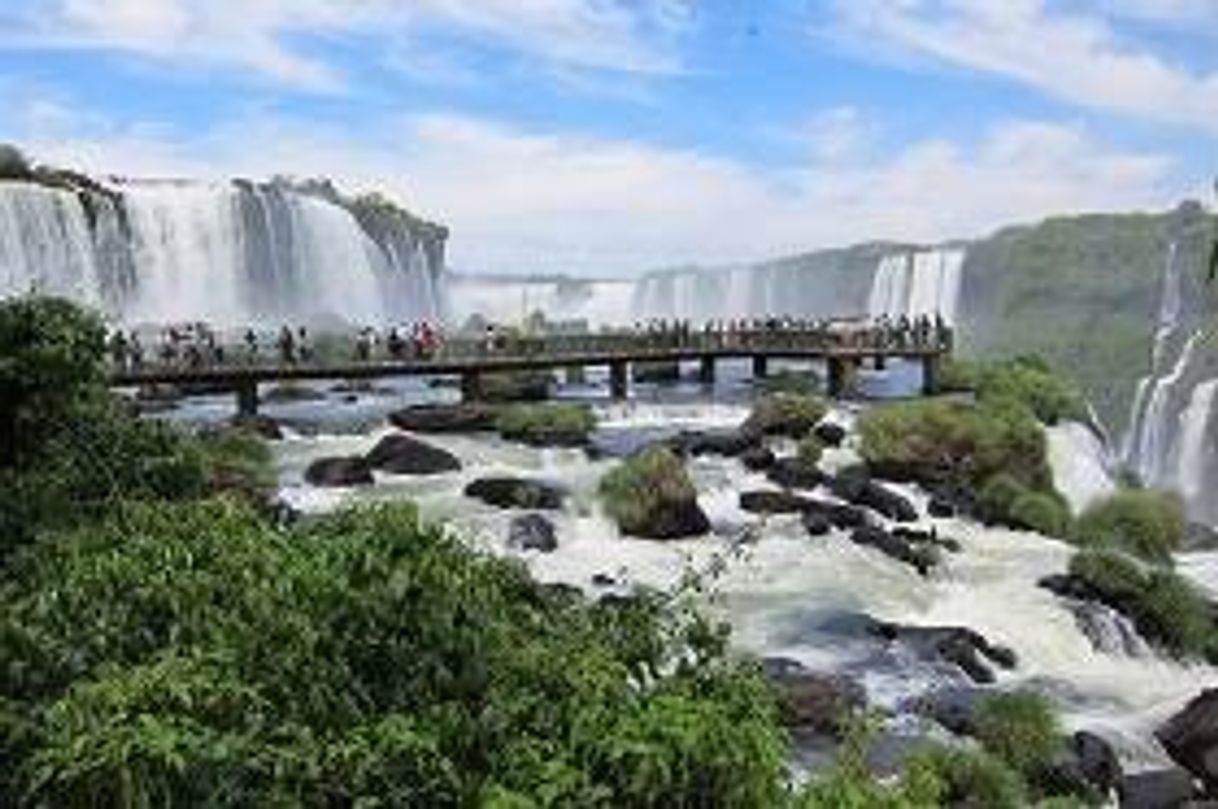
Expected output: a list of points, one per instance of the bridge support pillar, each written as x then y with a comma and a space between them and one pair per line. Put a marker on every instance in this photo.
881, 362
706, 370
471, 386
843, 376
760, 366
618, 377
931, 372
247, 397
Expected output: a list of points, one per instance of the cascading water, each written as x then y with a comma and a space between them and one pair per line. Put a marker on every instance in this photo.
227, 253
921, 283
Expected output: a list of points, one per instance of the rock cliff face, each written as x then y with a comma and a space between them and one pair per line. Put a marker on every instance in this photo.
232, 253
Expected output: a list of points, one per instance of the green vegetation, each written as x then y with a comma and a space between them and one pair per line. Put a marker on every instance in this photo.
520, 386
1046, 513
970, 778
567, 424
809, 452
800, 383
788, 414
1031, 382
1019, 728
639, 486
1149, 524
13, 164
1166, 609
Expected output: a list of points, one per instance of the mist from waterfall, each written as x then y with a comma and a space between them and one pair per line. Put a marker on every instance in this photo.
229, 253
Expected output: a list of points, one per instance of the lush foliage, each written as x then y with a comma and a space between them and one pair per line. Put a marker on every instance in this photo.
13, 164
1031, 382
633, 490
1147, 523
181, 655
1166, 609
1020, 728
519, 386
1045, 512
540, 422
809, 451
971, 778
782, 413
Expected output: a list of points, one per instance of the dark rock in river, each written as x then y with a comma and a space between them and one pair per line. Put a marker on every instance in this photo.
1191, 738
730, 443
757, 459
674, 519
260, 425
1169, 788
817, 524
1087, 765
952, 707
403, 455
830, 434
931, 537
766, 502
854, 486
603, 580
445, 418
791, 474
507, 492
920, 557
532, 532
345, 471
960, 646
813, 702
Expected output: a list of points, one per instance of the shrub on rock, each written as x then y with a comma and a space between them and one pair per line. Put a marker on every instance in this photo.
1149, 524
1041, 512
1020, 728
788, 414
566, 425
650, 495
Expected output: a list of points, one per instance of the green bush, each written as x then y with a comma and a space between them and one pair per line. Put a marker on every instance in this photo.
998, 495
1021, 729
1147, 523
546, 423
238, 461
970, 778
637, 487
809, 452
191, 654
1031, 382
1166, 609
1041, 512
13, 164
787, 414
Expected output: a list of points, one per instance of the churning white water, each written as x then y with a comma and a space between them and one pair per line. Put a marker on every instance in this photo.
788, 594
227, 253
924, 282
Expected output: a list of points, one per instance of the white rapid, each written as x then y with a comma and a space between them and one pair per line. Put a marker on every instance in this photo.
788, 594
923, 282
230, 253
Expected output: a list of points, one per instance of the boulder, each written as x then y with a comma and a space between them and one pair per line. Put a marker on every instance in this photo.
341, 471
719, 442
403, 455
953, 708
260, 425
830, 434
816, 524
508, 492
1190, 737
791, 474
930, 538
1168, 788
813, 702
444, 418
940, 507
675, 519
1095, 761
768, 502
532, 532
854, 486
920, 557
960, 646
757, 459
603, 580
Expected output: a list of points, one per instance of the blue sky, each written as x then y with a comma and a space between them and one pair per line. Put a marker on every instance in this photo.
612, 136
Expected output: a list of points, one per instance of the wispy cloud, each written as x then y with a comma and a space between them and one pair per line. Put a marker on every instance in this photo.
269, 36
1077, 57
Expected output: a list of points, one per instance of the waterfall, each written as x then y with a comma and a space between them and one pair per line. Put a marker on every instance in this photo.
230, 253
925, 282
1167, 324
1157, 427
1109, 631
1195, 445
1080, 464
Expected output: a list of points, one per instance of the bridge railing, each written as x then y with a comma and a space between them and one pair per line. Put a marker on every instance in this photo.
554, 348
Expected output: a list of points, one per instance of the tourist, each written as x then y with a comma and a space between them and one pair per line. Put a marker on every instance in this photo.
287, 346
118, 350
251, 345
303, 349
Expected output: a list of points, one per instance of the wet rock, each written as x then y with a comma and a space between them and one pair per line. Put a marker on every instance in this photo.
963, 647
444, 418
730, 443
840, 516
940, 507
1190, 737
929, 538
341, 471
813, 702
953, 708
292, 393
260, 425
366, 387
767, 502
830, 434
1168, 788
403, 455
674, 519
791, 474
921, 558
1092, 763
817, 524
532, 532
854, 486
509, 492
603, 580
757, 459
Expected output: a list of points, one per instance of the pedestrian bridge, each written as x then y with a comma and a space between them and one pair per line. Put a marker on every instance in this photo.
843, 352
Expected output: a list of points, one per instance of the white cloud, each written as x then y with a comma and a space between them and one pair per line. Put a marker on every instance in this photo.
1077, 57
265, 35
520, 201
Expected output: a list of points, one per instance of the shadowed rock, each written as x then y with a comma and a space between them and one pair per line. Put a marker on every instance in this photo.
508, 492
344, 471
961, 646
1190, 737
444, 418
532, 532
854, 486
403, 455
